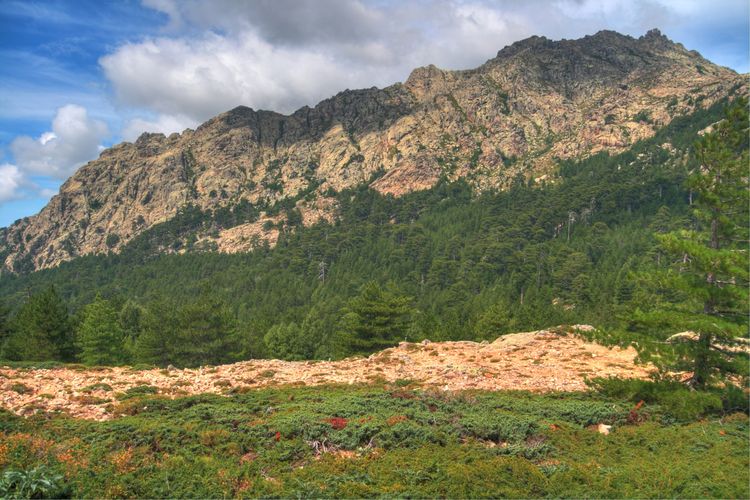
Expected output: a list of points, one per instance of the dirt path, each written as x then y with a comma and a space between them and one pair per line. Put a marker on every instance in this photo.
536, 361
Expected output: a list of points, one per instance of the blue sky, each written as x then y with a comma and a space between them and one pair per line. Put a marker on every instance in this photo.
81, 75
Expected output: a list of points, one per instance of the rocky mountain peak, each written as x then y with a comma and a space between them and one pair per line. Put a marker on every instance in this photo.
531, 43
537, 102
654, 35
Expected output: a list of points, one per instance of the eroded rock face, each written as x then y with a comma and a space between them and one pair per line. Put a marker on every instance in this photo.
536, 101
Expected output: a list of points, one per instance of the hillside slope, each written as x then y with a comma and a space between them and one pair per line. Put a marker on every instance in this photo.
536, 102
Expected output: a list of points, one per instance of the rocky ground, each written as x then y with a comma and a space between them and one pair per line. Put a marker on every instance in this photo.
541, 361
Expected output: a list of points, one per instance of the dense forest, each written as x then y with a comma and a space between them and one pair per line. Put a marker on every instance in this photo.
447, 263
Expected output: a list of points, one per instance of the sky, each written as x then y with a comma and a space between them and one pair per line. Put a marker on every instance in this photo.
79, 76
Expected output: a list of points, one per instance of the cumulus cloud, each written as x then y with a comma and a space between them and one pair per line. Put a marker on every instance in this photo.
281, 22
11, 181
75, 138
282, 54
15, 184
165, 124
198, 78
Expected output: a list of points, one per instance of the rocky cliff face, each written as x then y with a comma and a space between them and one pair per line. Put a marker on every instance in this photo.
537, 101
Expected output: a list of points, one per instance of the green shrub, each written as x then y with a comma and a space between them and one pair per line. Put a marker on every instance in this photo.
21, 388
734, 399
674, 399
643, 116
99, 386
497, 427
402, 382
112, 240
38, 482
139, 390
686, 405
353, 441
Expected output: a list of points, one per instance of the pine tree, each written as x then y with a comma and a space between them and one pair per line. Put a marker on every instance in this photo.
662, 221
42, 330
287, 341
198, 333
131, 319
708, 275
100, 337
154, 344
496, 321
205, 333
376, 319
5, 327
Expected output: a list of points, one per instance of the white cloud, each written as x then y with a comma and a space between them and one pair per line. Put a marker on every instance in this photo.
266, 60
11, 182
198, 78
165, 124
73, 140
283, 54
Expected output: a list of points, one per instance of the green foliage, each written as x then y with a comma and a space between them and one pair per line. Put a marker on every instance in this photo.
496, 321
643, 116
365, 442
289, 341
704, 289
99, 386
42, 330
37, 482
112, 240
375, 319
100, 338
138, 390
20, 388
5, 324
131, 320
675, 400
197, 333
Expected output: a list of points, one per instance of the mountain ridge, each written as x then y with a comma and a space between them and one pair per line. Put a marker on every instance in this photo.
537, 102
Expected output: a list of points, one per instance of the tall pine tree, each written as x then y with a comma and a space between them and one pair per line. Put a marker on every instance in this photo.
5, 329
376, 319
705, 289
201, 332
42, 330
100, 337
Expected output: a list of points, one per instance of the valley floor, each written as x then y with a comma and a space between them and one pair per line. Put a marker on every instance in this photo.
542, 361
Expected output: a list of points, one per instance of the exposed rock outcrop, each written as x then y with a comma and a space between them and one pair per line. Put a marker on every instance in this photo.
538, 100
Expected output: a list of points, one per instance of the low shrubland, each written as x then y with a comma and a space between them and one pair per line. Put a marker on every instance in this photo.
391, 441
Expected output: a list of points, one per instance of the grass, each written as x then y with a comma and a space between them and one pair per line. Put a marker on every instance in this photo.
354, 441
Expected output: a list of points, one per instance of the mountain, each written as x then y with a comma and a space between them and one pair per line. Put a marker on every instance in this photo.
513, 118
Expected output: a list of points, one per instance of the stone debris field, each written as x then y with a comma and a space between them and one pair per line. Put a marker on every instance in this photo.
540, 361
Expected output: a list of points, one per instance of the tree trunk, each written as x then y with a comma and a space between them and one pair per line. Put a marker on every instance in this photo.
701, 370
